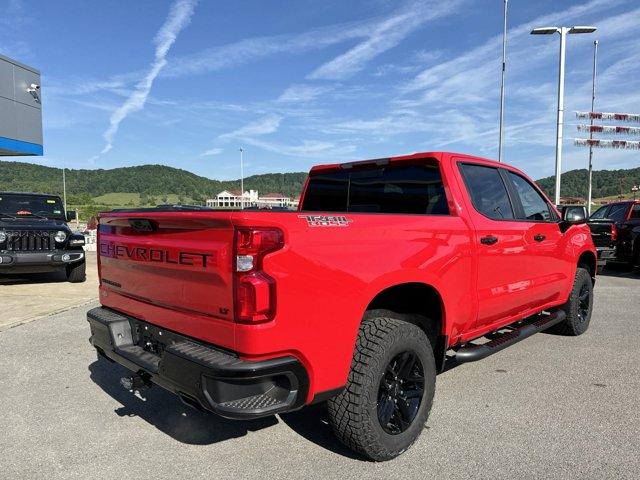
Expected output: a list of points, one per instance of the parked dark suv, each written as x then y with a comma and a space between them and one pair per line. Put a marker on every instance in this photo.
35, 238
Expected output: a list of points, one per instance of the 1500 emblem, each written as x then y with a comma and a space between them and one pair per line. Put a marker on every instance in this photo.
326, 220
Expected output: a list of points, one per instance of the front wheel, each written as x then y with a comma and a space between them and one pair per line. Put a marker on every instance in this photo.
389, 392
76, 272
579, 306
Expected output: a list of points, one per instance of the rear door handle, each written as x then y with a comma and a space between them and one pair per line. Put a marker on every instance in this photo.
489, 240
539, 237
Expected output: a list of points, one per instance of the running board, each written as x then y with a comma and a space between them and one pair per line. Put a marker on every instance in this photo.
473, 352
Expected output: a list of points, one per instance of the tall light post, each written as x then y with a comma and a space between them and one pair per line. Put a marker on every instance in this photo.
504, 67
563, 31
593, 103
241, 179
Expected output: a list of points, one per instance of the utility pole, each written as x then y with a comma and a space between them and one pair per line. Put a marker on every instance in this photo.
241, 179
593, 102
504, 67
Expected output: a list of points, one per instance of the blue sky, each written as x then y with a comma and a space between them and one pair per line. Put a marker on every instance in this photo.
300, 82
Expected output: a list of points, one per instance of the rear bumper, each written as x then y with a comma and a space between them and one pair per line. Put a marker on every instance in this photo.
604, 254
202, 376
38, 261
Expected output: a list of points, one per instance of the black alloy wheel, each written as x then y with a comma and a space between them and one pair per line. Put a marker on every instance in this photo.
400, 393
584, 303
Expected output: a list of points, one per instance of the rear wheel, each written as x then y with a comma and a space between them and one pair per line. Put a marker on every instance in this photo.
76, 272
579, 306
389, 392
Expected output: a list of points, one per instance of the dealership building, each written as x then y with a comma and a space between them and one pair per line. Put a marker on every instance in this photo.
20, 109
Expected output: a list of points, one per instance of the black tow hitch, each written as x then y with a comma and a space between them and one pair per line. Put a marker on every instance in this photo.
136, 384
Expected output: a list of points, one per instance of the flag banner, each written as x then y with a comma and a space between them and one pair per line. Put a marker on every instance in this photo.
609, 129
621, 117
624, 144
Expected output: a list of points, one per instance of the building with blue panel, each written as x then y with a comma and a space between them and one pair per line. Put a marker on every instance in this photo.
20, 109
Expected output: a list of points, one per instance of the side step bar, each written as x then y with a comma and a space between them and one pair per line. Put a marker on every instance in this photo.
473, 352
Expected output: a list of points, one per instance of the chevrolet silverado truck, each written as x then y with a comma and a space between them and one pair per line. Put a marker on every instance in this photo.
616, 232
389, 269
35, 238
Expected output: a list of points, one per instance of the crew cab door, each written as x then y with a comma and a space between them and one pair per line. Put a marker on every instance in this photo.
515, 274
544, 244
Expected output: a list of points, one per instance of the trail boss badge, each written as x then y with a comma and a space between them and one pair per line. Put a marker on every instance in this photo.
326, 220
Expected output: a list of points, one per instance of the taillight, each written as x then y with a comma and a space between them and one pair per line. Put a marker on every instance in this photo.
255, 290
614, 232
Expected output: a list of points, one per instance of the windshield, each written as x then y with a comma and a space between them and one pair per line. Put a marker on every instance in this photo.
31, 205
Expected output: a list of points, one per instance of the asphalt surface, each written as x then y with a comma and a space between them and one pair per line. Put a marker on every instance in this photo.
27, 297
548, 407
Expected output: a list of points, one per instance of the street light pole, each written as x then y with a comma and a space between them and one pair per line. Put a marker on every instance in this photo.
241, 179
563, 31
560, 118
593, 103
504, 67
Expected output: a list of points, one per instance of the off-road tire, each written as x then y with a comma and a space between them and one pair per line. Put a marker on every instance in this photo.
577, 322
353, 414
76, 272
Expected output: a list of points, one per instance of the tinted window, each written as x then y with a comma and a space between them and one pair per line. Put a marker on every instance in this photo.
635, 211
416, 189
534, 205
618, 212
488, 193
31, 205
600, 213
327, 191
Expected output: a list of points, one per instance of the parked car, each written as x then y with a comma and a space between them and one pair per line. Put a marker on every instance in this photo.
35, 238
616, 232
353, 300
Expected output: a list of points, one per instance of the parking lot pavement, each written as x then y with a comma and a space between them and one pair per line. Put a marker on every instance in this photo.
27, 297
548, 407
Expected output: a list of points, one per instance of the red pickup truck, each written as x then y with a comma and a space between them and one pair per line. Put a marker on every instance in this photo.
354, 299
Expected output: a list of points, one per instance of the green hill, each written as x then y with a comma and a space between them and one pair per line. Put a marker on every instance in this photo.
94, 190
144, 179
606, 183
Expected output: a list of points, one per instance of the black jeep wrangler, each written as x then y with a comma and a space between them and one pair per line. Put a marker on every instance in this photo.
35, 238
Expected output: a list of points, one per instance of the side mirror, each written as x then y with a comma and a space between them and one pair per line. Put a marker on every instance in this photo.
71, 215
574, 214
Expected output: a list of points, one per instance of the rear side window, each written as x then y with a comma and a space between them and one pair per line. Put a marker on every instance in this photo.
600, 213
534, 205
618, 212
327, 191
487, 190
635, 211
411, 189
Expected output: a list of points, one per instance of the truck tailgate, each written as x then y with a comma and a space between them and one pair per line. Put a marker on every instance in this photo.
181, 262
601, 232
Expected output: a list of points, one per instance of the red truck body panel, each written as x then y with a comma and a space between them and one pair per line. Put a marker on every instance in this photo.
326, 276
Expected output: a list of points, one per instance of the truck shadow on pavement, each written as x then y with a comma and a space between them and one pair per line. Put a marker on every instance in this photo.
620, 270
168, 414
32, 278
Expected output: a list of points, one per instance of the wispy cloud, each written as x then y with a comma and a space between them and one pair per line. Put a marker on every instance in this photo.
263, 126
211, 152
179, 17
252, 49
384, 36
302, 93
307, 149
